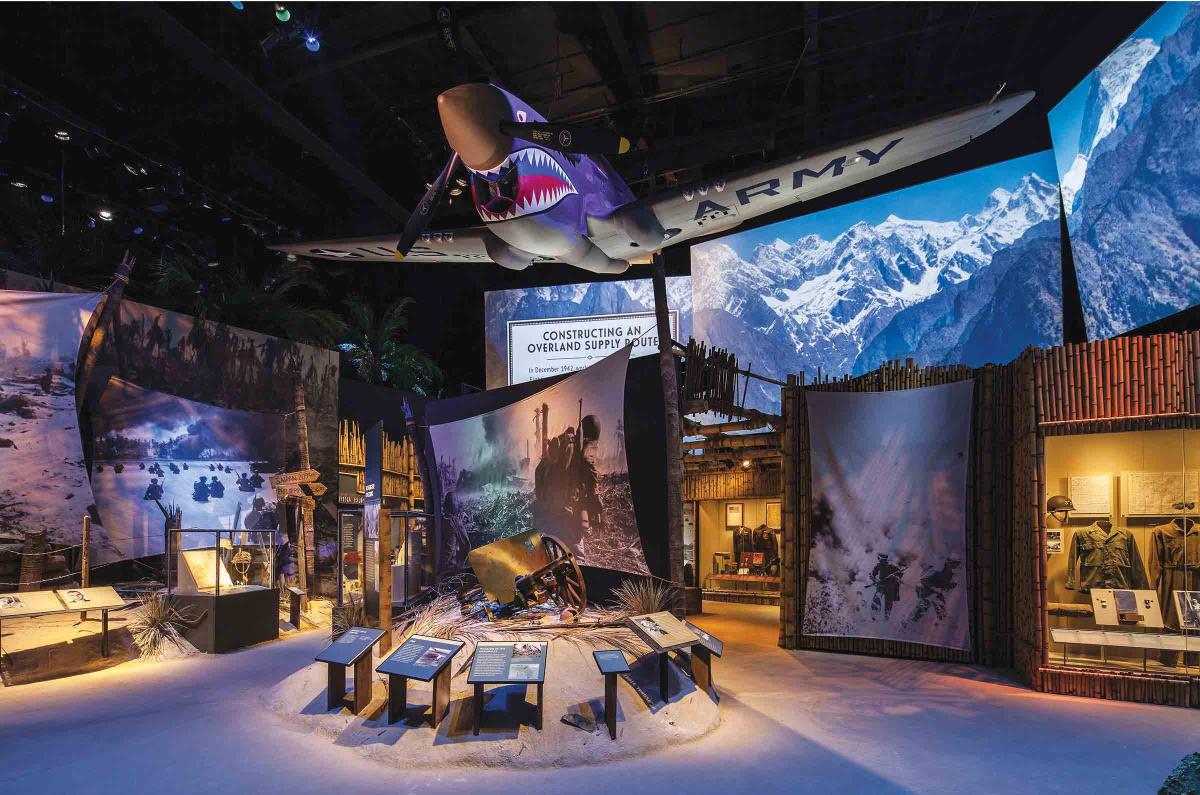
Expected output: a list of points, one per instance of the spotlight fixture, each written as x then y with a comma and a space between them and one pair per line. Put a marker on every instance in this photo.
745, 463
105, 214
456, 191
214, 264
131, 169
62, 135
281, 12
292, 258
137, 230
16, 183
312, 42
237, 4
47, 198
462, 183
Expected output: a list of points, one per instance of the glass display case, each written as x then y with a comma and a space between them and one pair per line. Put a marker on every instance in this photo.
1122, 550
408, 538
224, 580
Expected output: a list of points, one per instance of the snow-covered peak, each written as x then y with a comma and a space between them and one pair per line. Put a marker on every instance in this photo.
1111, 83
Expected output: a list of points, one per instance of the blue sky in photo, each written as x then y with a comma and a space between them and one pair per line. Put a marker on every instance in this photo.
1067, 115
946, 199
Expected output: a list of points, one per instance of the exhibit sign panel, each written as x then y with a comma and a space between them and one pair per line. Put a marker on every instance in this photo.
554, 462
889, 482
539, 332
44, 486
961, 270
154, 450
1125, 143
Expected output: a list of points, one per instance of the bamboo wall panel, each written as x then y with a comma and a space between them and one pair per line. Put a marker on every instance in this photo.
732, 484
794, 505
401, 469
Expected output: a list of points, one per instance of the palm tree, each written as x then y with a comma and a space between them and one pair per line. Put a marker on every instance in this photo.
375, 351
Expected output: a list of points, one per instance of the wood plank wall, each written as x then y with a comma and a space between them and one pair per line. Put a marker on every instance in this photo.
1124, 384
732, 484
988, 521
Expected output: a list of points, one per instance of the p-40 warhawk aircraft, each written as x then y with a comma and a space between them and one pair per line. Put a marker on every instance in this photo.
546, 193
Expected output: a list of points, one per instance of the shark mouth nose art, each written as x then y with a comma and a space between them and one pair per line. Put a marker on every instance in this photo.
528, 181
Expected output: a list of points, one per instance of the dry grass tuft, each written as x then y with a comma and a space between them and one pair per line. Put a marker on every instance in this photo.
156, 626
643, 595
351, 614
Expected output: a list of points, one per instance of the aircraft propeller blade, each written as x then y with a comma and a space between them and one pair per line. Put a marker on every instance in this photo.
423, 214
568, 139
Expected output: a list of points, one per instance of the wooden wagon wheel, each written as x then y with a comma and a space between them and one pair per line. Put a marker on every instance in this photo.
572, 589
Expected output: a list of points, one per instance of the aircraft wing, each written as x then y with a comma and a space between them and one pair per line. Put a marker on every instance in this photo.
458, 245
719, 205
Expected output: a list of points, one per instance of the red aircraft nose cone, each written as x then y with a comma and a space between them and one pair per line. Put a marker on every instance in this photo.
471, 116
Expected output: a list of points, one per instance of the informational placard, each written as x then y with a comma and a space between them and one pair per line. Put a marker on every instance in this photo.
611, 661
498, 662
104, 597
200, 569
420, 657
1110, 604
662, 631
554, 346
709, 640
350, 646
1091, 494
1159, 493
29, 603
733, 514
1054, 542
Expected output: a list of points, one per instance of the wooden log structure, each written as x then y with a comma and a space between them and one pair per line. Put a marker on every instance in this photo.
402, 478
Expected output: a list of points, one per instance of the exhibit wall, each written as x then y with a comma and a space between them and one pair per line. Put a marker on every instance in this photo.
888, 541
541, 332
1125, 144
554, 461
44, 484
965, 269
153, 449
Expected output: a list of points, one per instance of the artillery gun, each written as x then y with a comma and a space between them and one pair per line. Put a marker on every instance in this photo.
523, 571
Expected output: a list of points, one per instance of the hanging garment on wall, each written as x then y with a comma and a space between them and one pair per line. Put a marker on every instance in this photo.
766, 543
43, 483
1174, 561
743, 543
889, 485
1107, 557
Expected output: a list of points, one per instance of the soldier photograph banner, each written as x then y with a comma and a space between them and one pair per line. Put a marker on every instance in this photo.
156, 452
554, 462
45, 485
889, 484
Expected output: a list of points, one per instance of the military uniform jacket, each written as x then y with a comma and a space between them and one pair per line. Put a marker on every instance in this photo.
1105, 559
1174, 565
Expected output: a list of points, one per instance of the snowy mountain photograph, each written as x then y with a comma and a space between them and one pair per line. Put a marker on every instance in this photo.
1125, 144
965, 269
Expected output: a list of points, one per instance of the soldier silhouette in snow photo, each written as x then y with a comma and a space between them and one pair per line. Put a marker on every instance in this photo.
154, 491
200, 489
216, 488
885, 579
932, 590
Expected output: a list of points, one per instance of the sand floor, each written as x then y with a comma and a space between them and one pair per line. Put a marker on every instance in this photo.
790, 722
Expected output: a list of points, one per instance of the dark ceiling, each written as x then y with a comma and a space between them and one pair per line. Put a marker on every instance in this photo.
238, 125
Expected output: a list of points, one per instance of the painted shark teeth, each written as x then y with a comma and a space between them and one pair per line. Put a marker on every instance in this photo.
539, 199
494, 172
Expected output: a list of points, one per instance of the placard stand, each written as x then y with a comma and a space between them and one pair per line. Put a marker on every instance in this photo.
663, 633
701, 657
504, 663
353, 647
422, 658
610, 662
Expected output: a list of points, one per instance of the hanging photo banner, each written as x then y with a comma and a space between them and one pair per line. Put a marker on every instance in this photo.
889, 480
44, 484
554, 462
157, 452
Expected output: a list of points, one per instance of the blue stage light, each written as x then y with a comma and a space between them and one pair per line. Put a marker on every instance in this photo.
137, 230
47, 198
236, 4
312, 42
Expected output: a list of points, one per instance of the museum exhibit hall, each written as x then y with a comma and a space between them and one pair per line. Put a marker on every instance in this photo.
726, 397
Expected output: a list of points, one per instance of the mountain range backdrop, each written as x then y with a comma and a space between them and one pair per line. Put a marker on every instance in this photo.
1126, 144
966, 269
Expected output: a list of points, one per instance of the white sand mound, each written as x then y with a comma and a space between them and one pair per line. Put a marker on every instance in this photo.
507, 737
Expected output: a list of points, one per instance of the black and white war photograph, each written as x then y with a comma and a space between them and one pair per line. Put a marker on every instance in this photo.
889, 523
553, 462
45, 484
157, 452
